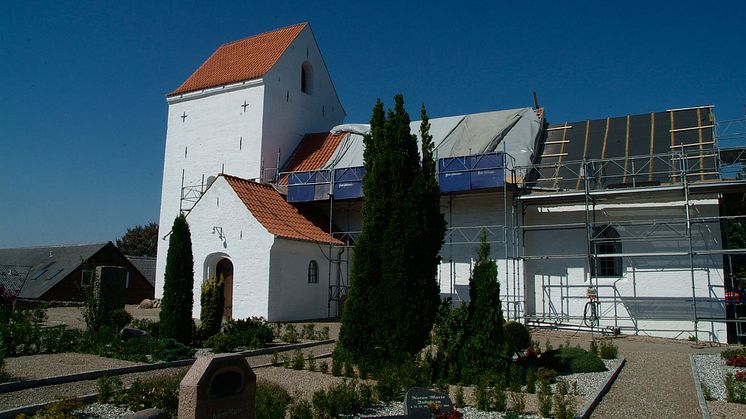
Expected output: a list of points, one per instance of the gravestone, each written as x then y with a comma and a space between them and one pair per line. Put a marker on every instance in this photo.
418, 403
219, 387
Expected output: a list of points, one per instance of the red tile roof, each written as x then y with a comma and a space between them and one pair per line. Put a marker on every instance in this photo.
312, 152
275, 214
241, 60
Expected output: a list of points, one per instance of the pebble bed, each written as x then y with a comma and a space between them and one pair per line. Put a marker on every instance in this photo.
712, 370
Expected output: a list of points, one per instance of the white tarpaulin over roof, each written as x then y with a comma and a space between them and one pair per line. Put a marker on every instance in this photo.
513, 131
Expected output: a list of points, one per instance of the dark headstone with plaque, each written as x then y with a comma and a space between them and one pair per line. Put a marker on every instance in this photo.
422, 403
220, 387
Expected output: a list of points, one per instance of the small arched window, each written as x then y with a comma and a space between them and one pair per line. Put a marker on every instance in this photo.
313, 272
607, 242
306, 78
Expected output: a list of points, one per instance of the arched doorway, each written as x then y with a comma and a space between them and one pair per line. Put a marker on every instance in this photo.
225, 268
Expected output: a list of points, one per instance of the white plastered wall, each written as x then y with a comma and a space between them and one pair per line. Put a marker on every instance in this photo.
245, 242
218, 135
291, 296
466, 216
557, 287
289, 112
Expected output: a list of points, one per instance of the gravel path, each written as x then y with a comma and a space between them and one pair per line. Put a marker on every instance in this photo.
50, 365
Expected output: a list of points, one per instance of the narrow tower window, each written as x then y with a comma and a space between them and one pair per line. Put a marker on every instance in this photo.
306, 78
313, 272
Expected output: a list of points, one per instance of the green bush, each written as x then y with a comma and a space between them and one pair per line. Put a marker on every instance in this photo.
545, 374
110, 389
530, 381
732, 353
594, 347
517, 402
308, 331
271, 400
252, 332
291, 334
61, 409
517, 336
608, 350
346, 398
324, 367
301, 409
568, 360
120, 318
171, 350
220, 343
336, 368
311, 361
450, 329
482, 396
162, 393
212, 304
565, 405
735, 392
298, 359
544, 396
458, 397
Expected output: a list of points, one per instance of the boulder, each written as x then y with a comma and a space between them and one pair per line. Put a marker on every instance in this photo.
151, 413
146, 304
129, 332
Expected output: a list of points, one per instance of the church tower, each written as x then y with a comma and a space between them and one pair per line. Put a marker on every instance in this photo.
242, 112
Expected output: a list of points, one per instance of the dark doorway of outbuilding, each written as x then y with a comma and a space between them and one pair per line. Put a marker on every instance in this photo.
224, 268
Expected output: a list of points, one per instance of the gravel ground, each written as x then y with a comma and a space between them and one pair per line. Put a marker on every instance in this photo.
712, 370
50, 365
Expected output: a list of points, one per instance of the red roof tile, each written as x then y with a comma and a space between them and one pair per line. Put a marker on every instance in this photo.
275, 214
312, 152
241, 60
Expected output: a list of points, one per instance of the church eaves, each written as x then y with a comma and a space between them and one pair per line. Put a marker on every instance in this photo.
275, 214
241, 60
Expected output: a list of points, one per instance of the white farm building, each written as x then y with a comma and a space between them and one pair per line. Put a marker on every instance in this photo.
617, 224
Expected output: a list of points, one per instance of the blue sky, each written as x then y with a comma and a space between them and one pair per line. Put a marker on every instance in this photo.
83, 109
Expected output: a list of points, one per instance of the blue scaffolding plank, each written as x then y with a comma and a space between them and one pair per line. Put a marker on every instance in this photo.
308, 186
348, 183
464, 173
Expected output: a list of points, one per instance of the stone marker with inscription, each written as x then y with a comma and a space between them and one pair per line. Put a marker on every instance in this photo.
218, 387
418, 403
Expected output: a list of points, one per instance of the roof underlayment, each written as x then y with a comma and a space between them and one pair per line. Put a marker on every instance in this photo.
514, 131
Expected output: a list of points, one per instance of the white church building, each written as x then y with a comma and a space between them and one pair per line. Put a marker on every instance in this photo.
611, 224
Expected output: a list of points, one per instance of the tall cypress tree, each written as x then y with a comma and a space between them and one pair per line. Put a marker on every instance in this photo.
393, 296
178, 296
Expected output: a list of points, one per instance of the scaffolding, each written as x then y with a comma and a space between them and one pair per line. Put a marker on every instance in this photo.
687, 174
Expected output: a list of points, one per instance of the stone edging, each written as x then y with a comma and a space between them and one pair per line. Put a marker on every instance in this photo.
93, 397
591, 404
92, 375
703, 409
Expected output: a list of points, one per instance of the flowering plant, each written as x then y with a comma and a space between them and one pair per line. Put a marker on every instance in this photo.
736, 361
741, 376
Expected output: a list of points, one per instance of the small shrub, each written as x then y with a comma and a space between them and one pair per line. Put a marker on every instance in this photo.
109, 389
301, 409
298, 360
730, 353
548, 346
285, 360
275, 360
349, 370
594, 347
546, 374
271, 400
323, 334
291, 334
61, 409
517, 336
565, 405
499, 397
345, 398
608, 350
324, 367
516, 378
171, 350
706, 392
569, 360
212, 305
221, 343
336, 368
517, 402
458, 397
741, 376
311, 361
120, 318
252, 332
482, 397
530, 381
544, 396
162, 393
308, 331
